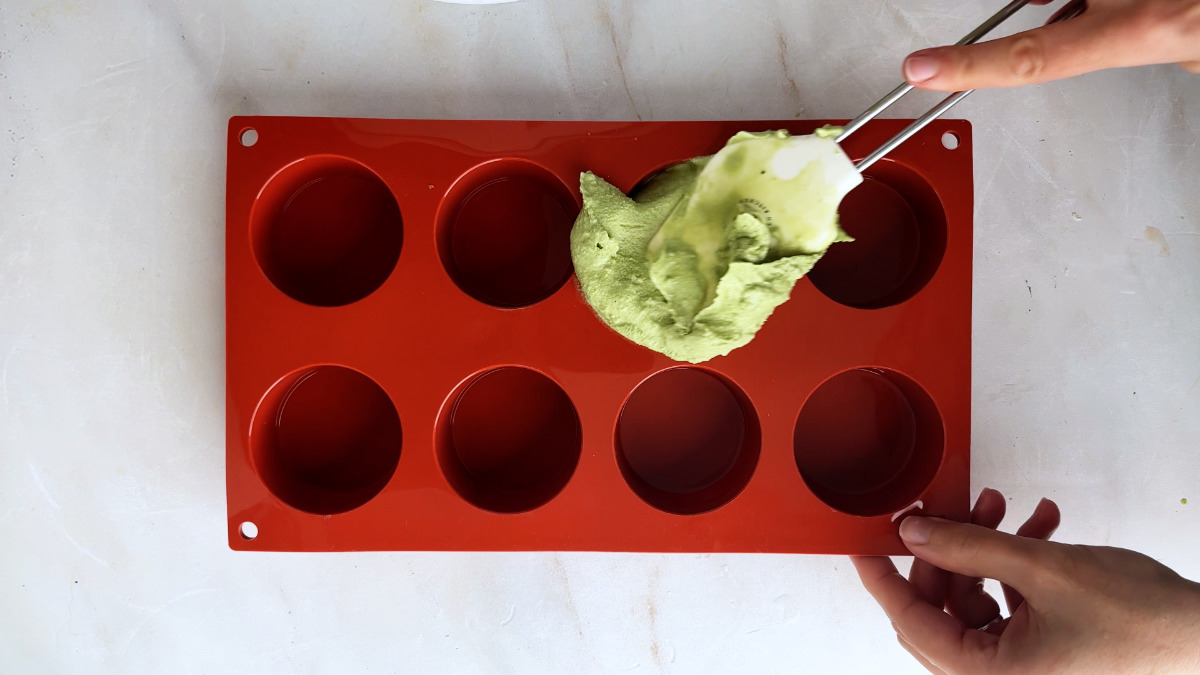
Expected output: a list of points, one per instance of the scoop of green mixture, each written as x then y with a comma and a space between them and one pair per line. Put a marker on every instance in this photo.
696, 261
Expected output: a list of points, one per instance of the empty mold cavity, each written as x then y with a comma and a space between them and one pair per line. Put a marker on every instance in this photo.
868, 441
325, 439
651, 185
504, 233
508, 439
687, 440
899, 229
326, 231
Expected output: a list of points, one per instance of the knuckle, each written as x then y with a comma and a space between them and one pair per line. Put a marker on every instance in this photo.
962, 540
970, 547
1027, 58
1062, 566
1163, 21
1141, 24
1191, 21
1189, 33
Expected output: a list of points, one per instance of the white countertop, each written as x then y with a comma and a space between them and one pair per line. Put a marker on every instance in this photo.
112, 489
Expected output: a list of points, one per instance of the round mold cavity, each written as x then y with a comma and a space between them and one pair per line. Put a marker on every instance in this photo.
508, 439
504, 233
648, 187
899, 229
687, 440
868, 441
325, 439
326, 231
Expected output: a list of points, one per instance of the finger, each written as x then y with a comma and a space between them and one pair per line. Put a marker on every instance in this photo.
931, 583
989, 509
998, 627
972, 550
919, 656
966, 599
1051, 52
968, 602
930, 630
1041, 524
939, 587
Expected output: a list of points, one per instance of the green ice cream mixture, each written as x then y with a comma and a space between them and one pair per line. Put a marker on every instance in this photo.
694, 264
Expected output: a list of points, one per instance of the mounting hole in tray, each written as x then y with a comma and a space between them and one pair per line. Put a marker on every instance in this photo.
504, 233
248, 137
899, 229
950, 140
325, 439
687, 440
248, 531
868, 441
326, 231
508, 439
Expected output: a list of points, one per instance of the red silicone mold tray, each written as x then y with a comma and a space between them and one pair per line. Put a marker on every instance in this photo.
411, 366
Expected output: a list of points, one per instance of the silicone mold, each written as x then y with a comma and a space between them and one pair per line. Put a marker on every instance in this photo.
411, 366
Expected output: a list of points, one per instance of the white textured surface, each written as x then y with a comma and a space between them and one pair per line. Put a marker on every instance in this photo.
112, 123
839, 170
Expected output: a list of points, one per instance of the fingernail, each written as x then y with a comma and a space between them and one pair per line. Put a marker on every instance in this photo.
920, 67
916, 529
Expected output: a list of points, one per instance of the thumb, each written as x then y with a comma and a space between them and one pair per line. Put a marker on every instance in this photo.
1048, 53
975, 551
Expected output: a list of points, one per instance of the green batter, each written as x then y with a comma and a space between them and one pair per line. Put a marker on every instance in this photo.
694, 264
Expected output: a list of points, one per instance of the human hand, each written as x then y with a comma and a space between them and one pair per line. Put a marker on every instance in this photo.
1085, 609
1108, 34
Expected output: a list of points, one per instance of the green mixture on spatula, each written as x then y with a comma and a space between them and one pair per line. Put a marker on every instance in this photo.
696, 262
